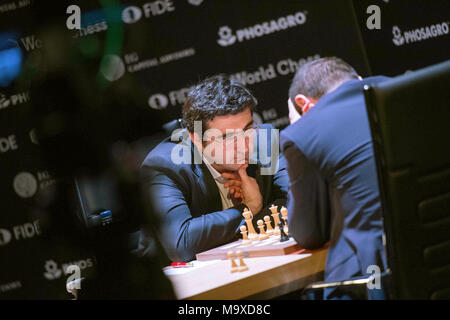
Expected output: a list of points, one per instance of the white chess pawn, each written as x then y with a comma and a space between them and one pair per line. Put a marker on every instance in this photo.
269, 229
274, 210
262, 232
245, 239
284, 213
242, 265
248, 216
234, 266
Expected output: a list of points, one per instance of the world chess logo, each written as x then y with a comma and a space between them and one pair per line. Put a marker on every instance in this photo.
398, 36
5, 237
195, 2
112, 67
25, 185
52, 271
226, 36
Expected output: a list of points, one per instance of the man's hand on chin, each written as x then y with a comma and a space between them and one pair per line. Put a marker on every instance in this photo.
244, 187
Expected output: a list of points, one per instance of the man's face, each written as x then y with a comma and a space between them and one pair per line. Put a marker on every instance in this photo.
228, 140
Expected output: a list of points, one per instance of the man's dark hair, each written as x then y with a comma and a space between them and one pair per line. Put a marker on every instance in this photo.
216, 96
315, 78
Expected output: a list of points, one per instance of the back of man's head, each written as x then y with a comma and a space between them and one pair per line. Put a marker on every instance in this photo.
318, 77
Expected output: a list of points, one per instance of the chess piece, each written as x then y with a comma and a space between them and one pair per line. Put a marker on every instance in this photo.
284, 215
269, 229
262, 232
245, 239
242, 265
234, 266
274, 210
248, 216
283, 236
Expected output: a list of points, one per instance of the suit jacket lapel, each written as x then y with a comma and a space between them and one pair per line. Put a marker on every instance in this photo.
207, 184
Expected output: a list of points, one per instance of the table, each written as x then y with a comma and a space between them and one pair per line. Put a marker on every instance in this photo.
267, 277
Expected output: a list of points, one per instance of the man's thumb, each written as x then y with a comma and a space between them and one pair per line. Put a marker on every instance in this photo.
243, 172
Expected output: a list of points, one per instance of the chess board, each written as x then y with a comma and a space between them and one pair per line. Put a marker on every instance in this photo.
259, 248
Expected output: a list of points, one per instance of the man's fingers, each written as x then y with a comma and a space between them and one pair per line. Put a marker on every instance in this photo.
235, 193
231, 183
231, 175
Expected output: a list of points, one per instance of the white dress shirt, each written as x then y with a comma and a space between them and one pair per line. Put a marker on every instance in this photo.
226, 202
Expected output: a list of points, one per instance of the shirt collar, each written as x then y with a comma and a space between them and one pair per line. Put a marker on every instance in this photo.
216, 175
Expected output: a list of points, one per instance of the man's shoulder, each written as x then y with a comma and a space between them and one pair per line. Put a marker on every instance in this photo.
375, 79
169, 155
315, 119
299, 131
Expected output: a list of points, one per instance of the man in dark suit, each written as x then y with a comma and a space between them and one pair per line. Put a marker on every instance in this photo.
199, 186
334, 195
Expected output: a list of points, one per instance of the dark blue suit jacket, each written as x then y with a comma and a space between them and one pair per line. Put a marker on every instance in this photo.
334, 193
186, 199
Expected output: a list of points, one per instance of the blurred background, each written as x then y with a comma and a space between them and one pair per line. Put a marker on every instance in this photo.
81, 108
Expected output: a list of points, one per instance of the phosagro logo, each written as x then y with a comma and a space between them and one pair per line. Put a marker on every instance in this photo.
420, 34
52, 271
398, 37
13, 100
227, 38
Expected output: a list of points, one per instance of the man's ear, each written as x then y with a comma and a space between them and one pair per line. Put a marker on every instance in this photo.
301, 100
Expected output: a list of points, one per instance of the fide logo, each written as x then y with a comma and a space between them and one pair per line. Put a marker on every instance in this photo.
52, 271
398, 37
25, 185
5, 237
112, 67
131, 14
158, 101
226, 36
195, 2
33, 136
